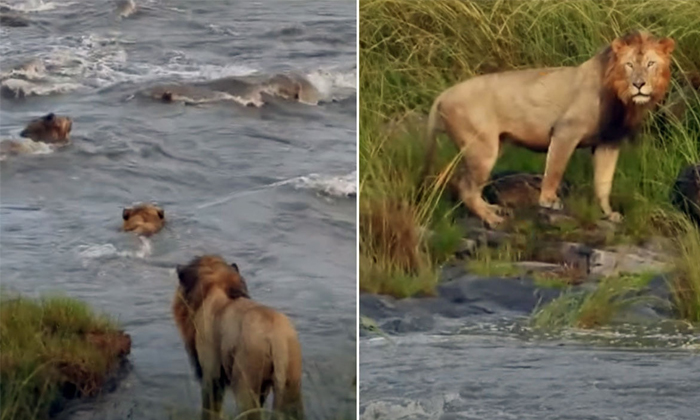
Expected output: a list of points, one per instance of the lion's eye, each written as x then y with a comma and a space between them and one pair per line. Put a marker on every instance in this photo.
629, 64
651, 63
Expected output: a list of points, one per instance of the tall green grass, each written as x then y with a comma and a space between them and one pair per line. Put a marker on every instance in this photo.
410, 51
52, 349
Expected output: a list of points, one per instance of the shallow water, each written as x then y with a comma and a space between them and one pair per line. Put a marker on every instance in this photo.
494, 368
271, 189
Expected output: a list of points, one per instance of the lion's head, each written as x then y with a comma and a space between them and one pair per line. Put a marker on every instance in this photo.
49, 128
206, 273
144, 219
639, 68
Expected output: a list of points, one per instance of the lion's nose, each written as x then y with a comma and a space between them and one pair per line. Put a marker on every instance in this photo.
638, 84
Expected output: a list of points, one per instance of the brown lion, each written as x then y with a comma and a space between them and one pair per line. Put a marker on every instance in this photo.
554, 110
50, 129
144, 219
234, 341
42, 135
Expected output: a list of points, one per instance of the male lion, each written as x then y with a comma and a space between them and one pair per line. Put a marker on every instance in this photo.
144, 219
234, 341
596, 104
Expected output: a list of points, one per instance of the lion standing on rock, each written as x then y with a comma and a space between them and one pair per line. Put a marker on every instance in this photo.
554, 110
234, 341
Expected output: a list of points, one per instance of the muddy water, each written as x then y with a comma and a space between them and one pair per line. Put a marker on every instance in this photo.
271, 189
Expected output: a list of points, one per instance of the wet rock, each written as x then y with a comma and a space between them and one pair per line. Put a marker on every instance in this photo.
610, 262
409, 323
492, 295
627, 259
518, 190
376, 306
533, 266
13, 20
686, 192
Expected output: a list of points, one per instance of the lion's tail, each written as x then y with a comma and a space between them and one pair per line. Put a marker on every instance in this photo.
431, 137
287, 372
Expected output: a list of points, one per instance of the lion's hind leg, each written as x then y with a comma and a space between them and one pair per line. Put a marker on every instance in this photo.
288, 401
249, 385
480, 152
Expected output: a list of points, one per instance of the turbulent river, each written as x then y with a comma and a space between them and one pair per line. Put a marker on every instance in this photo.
271, 188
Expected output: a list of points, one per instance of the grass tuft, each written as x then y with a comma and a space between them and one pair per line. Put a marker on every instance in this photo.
591, 309
53, 349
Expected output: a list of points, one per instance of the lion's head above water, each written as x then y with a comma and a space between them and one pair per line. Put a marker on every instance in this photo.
639, 68
144, 219
50, 129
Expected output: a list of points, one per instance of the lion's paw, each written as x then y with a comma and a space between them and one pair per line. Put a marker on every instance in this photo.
614, 217
553, 204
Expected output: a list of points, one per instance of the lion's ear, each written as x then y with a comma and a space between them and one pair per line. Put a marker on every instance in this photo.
617, 45
126, 213
667, 45
187, 276
161, 213
235, 267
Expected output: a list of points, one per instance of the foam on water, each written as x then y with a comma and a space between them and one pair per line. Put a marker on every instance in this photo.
336, 186
97, 251
30, 147
332, 83
34, 5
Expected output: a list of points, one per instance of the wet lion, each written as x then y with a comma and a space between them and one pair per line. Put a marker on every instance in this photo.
144, 219
42, 136
250, 91
50, 129
596, 105
233, 341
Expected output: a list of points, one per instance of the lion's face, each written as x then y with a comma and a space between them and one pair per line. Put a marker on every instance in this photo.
49, 128
640, 71
144, 219
204, 274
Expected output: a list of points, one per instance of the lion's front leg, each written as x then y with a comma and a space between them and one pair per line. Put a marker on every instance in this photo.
604, 162
561, 148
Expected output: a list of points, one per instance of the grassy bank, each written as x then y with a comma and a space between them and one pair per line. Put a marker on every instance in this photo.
410, 51
53, 349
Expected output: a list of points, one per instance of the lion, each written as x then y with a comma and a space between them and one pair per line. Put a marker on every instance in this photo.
234, 341
42, 135
555, 110
144, 219
50, 129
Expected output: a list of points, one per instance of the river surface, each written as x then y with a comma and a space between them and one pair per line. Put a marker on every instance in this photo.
270, 188
495, 368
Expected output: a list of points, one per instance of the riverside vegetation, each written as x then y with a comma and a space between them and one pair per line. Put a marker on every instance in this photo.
54, 349
411, 51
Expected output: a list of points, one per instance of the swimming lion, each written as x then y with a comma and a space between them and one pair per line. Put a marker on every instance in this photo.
42, 135
144, 219
234, 341
554, 110
50, 129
